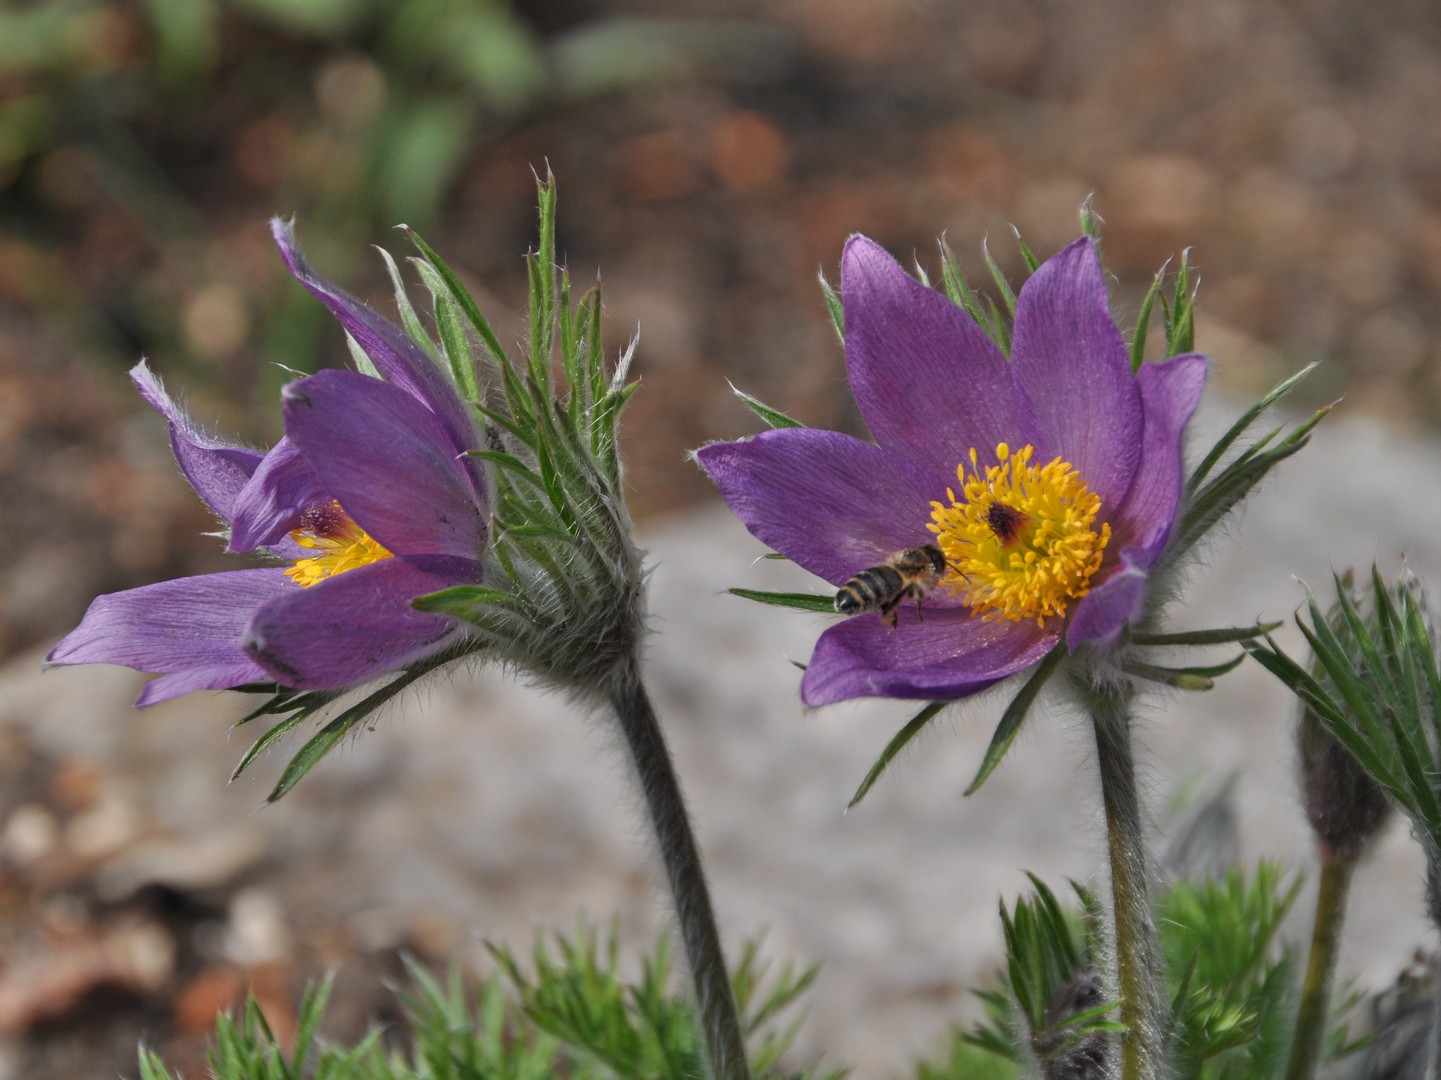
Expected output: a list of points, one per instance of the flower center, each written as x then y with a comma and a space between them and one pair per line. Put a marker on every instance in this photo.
1020, 540
343, 545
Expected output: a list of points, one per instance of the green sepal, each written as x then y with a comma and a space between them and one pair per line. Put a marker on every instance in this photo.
325, 740
271, 736
774, 417
1314, 696
958, 288
1188, 678
282, 700
450, 325
894, 747
541, 266
465, 601
1220, 636
1015, 715
1204, 508
833, 305
1008, 294
814, 602
1143, 321
462, 297
1180, 312
1032, 263
358, 357
1236, 430
408, 318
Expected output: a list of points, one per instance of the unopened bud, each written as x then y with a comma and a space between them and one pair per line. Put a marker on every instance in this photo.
1081, 1060
1345, 806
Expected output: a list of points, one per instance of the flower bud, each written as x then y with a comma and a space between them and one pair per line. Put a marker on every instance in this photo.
1080, 1060
1345, 806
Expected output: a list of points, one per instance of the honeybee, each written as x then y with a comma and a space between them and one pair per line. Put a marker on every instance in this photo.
910, 572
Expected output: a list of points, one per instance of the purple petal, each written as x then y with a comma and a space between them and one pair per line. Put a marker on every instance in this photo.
1076, 394
950, 654
351, 627
929, 383
399, 359
173, 626
1104, 611
389, 462
1170, 392
278, 494
216, 677
217, 470
829, 502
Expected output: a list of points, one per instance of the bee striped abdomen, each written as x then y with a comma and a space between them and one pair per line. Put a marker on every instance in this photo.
911, 572
869, 590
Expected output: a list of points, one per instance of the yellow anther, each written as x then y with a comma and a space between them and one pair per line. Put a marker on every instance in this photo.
1021, 540
343, 545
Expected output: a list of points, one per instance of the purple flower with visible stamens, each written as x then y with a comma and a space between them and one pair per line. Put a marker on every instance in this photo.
1049, 481
370, 498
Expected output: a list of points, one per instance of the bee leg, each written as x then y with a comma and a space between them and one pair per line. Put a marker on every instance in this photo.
889, 615
918, 594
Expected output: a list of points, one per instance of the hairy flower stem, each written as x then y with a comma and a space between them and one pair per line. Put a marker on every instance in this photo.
725, 1046
1138, 952
1320, 968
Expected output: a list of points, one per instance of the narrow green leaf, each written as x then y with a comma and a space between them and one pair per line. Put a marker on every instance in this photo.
1220, 636
833, 305
271, 736
358, 357
1187, 678
570, 358
1003, 287
1387, 618
1236, 430
1419, 766
774, 417
1220, 496
1015, 714
450, 325
542, 266
1026, 253
1000, 325
1300, 682
1358, 636
1180, 325
309, 755
462, 297
312, 1010
409, 320
1143, 322
894, 747
459, 601
814, 602
959, 290
1090, 220
1330, 652
594, 347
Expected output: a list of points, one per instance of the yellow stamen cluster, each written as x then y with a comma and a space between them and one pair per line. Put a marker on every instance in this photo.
343, 545
1020, 539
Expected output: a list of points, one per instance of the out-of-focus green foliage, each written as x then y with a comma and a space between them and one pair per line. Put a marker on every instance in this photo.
571, 1014
1233, 985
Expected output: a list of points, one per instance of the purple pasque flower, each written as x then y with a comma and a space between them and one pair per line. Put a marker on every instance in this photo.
1049, 481
368, 502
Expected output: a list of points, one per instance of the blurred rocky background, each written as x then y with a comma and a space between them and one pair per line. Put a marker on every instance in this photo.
709, 165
